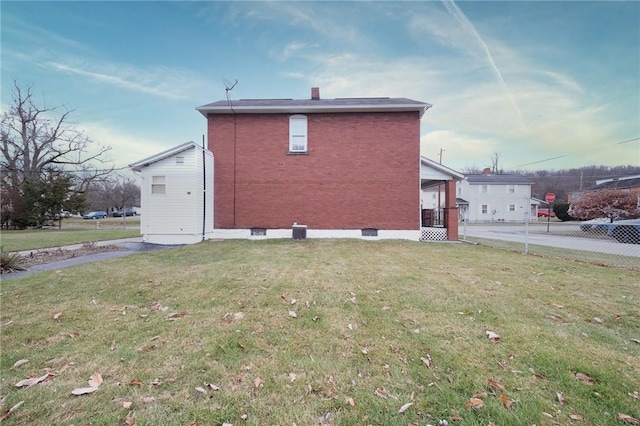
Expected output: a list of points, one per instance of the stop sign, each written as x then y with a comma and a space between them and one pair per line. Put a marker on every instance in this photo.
550, 197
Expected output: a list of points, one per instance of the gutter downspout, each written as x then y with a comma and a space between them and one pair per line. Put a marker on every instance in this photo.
204, 190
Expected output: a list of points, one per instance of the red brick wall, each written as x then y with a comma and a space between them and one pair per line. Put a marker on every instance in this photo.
362, 170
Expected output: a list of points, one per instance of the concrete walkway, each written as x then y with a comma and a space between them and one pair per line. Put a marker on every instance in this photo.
130, 246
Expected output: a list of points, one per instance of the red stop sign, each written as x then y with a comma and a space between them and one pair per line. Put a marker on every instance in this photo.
550, 197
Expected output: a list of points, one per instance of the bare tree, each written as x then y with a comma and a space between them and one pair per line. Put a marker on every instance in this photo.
34, 139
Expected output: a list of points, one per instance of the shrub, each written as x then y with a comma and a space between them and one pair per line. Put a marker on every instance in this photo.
10, 262
562, 212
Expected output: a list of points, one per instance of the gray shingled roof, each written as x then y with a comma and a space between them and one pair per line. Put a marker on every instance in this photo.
482, 179
304, 106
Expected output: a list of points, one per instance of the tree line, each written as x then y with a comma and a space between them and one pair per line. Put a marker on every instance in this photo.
48, 166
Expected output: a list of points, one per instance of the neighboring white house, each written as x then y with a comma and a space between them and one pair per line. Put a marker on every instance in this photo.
487, 197
176, 195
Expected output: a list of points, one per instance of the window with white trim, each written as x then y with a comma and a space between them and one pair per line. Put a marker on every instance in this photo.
298, 133
512, 207
485, 208
511, 189
158, 185
484, 189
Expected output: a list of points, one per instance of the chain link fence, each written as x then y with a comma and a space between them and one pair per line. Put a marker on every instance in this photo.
601, 243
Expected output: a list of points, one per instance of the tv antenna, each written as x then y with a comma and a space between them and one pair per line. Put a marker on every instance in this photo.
228, 86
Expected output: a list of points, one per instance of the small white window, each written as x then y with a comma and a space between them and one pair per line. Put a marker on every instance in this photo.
512, 207
158, 185
484, 189
511, 189
485, 208
298, 133
180, 160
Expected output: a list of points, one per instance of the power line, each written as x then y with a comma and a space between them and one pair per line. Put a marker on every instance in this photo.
630, 140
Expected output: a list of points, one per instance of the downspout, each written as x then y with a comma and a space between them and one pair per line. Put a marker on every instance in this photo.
204, 190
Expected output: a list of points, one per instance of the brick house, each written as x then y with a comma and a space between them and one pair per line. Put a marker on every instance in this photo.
346, 167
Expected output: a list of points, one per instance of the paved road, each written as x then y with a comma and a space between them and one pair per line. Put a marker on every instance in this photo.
537, 234
132, 246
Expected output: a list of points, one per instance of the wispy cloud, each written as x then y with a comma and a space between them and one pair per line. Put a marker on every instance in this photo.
160, 81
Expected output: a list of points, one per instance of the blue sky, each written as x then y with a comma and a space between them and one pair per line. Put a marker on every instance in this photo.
547, 85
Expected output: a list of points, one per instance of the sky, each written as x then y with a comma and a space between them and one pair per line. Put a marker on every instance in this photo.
541, 85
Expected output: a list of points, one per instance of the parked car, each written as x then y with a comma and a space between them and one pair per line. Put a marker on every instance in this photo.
546, 213
126, 212
595, 224
95, 215
625, 231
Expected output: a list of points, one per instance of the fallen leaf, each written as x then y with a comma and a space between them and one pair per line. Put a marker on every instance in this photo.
113, 345
127, 404
386, 308
584, 378
293, 301
598, 320
293, 314
176, 315
474, 403
636, 341
201, 390
405, 407
381, 392
506, 403
32, 381
84, 391
494, 384
547, 415
560, 398
628, 419
95, 380
135, 382
148, 399
426, 360
257, 382
292, 377
57, 316
350, 401
635, 394
11, 410
492, 336
213, 387
130, 420
575, 417
19, 363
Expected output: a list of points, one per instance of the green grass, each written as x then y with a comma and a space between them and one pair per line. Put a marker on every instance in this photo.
74, 231
367, 312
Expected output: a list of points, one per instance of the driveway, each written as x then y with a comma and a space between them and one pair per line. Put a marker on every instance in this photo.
130, 246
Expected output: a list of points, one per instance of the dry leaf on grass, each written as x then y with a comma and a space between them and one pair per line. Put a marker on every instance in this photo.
405, 407
10, 410
495, 384
575, 416
560, 398
257, 382
492, 336
213, 387
19, 363
350, 401
636, 341
95, 380
426, 360
585, 378
381, 392
598, 320
506, 402
293, 314
474, 403
32, 381
625, 418
201, 390
84, 391
135, 382
127, 404
130, 420
175, 315
57, 316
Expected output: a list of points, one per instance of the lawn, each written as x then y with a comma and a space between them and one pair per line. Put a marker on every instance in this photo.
73, 231
340, 332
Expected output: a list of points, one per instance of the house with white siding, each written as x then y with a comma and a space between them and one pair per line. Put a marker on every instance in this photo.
488, 197
177, 195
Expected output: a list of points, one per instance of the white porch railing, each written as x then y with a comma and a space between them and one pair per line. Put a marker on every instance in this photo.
433, 233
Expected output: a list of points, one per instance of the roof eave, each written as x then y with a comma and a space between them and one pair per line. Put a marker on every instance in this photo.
311, 109
139, 165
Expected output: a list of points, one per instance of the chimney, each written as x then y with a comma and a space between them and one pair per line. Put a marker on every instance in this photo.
315, 93
487, 171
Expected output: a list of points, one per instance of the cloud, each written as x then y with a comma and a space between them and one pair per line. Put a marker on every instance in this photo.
164, 82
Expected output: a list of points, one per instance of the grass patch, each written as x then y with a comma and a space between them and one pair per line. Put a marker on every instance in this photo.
46, 238
366, 313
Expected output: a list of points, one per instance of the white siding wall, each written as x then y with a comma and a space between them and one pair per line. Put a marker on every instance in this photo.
176, 216
499, 201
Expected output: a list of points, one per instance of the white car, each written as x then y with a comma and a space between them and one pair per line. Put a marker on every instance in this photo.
593, 224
